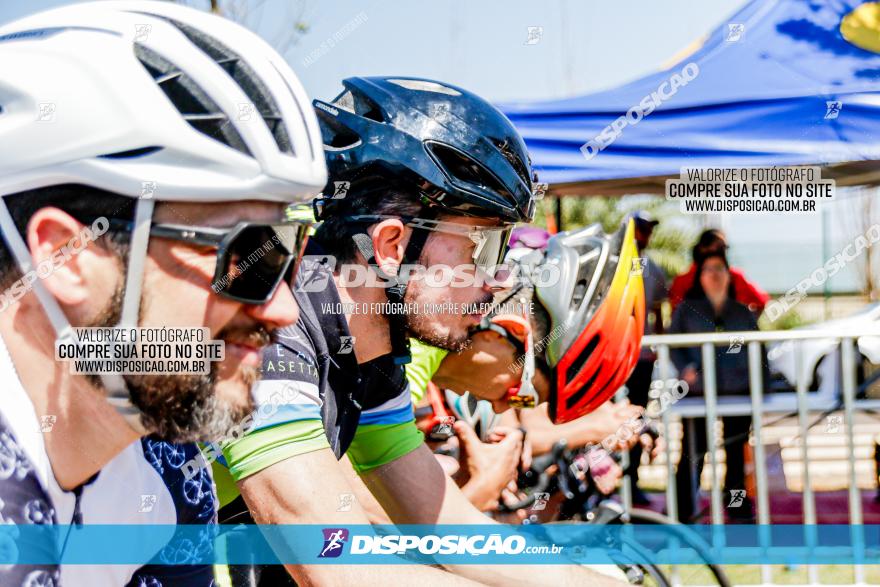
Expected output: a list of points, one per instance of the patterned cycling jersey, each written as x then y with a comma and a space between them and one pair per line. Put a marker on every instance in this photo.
143, 485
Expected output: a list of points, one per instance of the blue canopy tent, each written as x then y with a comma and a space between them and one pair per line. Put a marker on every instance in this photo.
760, 98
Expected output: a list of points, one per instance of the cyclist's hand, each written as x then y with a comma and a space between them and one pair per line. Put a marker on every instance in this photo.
619, 424
491, 467
509, 496
652, 446
607, 483
500, 432
604, 471
631, 423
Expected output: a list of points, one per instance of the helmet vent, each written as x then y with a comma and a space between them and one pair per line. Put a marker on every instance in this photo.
359, 105
246, 78
580, 291
193, 103
302, 115
586, 269
334, 134
603, 284
514, 161
459, 166
374, 114
576, 398
131, 154
345, 101
581, 360
424, 86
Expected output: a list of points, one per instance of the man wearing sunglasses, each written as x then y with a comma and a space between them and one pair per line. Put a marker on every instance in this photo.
422, 175
133, 195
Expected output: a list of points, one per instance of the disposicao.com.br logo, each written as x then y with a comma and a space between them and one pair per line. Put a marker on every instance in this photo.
334, 540
401, 544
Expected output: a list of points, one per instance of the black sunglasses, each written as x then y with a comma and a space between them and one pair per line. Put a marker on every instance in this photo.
252, 258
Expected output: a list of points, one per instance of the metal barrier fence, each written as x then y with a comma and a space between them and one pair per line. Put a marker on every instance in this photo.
757, 405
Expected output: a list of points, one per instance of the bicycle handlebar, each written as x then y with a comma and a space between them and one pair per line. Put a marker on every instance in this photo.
536, 477
539, 480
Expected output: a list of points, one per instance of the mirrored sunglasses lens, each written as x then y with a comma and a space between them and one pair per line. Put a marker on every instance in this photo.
258, 258
288, 236
491, 251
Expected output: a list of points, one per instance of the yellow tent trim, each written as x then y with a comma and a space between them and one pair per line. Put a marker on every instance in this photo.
861, 27
685, 52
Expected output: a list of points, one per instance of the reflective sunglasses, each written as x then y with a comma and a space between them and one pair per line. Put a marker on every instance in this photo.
252, 258
491, 241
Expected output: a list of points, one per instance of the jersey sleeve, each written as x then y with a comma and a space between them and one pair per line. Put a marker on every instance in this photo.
286, 421
267, 446
385, 433
426, 360
375, 445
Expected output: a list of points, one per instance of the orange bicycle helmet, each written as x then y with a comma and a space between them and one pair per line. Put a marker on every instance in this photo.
597, 313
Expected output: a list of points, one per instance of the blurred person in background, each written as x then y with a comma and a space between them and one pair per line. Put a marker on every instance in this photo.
710, 306
640, 381
745, 292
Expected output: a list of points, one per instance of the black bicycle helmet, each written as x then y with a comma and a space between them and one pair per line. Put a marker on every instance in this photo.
462, 154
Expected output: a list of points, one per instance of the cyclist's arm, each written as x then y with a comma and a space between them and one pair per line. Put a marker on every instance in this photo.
305, 489
375, 513
483, 367
609, 425
414, 490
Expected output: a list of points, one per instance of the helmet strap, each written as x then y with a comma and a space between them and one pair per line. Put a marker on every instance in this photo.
114, 384
395, 292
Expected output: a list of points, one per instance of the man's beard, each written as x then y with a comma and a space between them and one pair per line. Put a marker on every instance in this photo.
182, 407
419, 326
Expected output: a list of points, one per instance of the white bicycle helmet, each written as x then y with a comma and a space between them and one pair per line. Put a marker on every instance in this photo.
477, 413
114, 95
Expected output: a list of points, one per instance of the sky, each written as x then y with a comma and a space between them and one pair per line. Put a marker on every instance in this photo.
584, 46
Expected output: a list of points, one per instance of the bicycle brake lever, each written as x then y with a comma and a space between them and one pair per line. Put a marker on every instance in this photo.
607, 512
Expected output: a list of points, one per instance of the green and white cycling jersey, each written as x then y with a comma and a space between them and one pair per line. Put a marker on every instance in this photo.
313, 394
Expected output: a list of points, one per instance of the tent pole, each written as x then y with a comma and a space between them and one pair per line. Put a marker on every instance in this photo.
558, 213
826, 253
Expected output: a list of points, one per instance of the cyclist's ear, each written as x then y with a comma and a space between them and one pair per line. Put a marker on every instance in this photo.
389, 243
76, 271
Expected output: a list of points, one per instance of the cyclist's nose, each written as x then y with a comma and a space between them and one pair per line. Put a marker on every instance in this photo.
281, 309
